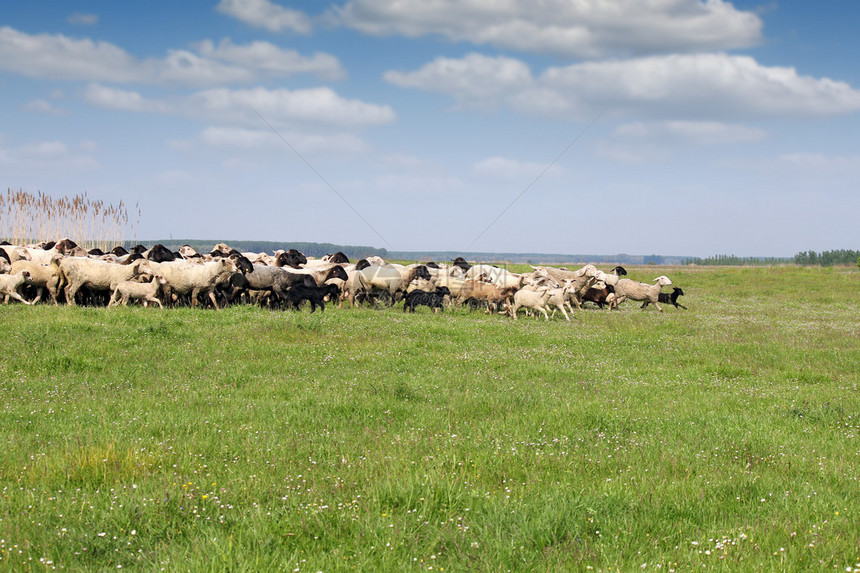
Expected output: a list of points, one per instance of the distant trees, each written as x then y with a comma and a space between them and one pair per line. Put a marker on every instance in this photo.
827, 258
735, 261
805, 258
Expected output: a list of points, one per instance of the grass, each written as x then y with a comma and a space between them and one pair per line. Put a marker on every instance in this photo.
723, 437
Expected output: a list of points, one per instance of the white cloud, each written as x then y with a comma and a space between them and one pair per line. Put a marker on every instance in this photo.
45, 149
474, 78
696, 86
714, 85
267, 57
585, 28
41, 154
714, 132
266, 14
44, 107
82, 19
61, 57
691, 131
187, 68
234, 137
124, 100
237, 137
319, 106
506, 168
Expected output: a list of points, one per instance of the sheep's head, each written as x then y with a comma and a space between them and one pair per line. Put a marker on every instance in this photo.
587, 271
242, 263
663, 280
336, 272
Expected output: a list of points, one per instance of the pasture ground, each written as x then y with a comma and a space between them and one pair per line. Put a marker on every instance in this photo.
724, 437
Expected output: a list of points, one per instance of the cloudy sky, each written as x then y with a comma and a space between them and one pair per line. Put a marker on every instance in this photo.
676, 127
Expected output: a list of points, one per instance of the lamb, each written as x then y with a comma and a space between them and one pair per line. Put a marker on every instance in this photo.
670, 298
492, 295
498, 276
612, 277
317, 295
14, 253
462, 264
421, 284
278, 280
195, 279
392, 280
43, 277
433, 299
78, 272
146, 292
633, 290
534, 299
10, 286
600, 295
559, 299
43, 254
580, 279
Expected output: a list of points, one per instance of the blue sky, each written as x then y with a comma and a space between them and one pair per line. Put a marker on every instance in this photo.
681, 127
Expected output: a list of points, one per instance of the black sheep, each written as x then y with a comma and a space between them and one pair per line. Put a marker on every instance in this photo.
301, 292
432, 299
671, 298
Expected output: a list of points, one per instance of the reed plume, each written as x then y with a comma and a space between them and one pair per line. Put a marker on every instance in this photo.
27, 218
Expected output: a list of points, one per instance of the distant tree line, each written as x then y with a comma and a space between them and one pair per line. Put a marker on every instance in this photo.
828, 258
735, 261
805, 258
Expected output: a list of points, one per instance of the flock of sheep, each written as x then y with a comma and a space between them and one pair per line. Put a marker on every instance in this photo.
65, 272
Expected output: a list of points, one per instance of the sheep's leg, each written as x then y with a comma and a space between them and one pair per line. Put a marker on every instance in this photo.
71, 292
561, 308
52, 291
211, 294
545, 315
18, 297
679, 305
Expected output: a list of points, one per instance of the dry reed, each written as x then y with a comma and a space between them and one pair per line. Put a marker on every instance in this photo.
28, 218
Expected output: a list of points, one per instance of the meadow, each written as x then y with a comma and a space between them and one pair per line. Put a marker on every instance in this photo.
723, 437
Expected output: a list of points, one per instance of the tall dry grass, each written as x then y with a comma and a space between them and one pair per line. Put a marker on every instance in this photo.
92, 223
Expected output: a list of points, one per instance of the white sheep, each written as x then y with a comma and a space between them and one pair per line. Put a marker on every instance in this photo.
559, 298
496, 275
16, 253
580, 279
10, 286
43, 277
534, 299
195, 279
145, 292
626, 288
78, 272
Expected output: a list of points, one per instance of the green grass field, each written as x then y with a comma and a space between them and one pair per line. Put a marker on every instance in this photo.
723, 437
